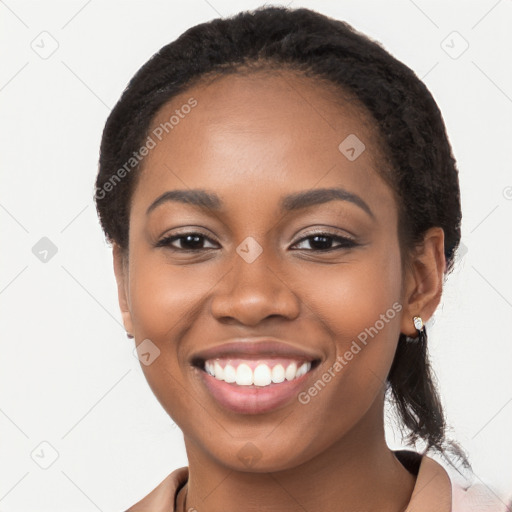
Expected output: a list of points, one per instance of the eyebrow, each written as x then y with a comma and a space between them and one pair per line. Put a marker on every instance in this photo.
296, 201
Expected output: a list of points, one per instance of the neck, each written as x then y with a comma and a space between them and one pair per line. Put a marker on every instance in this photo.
358, 472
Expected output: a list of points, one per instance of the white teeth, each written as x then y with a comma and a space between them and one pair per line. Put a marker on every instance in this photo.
291, 371
278, 374
263, 374
229, 373
244, 375
219, 372
209, 368
302, 370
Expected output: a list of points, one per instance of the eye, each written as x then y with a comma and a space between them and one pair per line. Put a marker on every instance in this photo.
186, 241
324, 242
194, 241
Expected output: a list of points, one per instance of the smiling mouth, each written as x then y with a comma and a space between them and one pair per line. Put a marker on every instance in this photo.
254, 375
256, 372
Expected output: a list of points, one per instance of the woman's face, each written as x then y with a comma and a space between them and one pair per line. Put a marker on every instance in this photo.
273, 256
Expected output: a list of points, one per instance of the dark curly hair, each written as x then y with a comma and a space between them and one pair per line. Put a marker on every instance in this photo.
416, 155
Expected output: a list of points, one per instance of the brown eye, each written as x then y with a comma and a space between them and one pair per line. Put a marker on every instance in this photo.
324, 242
185, 242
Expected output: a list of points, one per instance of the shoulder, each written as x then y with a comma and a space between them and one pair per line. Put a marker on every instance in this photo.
163, 495
433, 489
478, 498
440, 488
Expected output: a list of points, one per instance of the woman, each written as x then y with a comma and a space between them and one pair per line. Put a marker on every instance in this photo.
283, 206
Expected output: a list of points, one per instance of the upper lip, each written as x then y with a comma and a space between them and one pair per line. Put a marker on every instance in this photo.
262, 347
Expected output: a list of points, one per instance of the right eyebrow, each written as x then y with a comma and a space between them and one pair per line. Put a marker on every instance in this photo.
195, 197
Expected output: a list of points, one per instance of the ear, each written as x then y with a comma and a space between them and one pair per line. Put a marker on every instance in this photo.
424, 280
120, 260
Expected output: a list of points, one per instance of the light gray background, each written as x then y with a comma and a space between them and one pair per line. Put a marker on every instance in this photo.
68, 376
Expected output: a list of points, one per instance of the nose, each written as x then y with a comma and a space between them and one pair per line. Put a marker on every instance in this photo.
252, 292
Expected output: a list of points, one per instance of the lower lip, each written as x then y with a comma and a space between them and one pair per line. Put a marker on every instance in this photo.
253, 399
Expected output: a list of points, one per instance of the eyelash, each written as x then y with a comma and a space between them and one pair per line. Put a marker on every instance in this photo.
345, 242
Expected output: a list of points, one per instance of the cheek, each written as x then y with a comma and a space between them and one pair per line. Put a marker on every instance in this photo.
168, 304
360, 305
165, 298
163, 302
352, 297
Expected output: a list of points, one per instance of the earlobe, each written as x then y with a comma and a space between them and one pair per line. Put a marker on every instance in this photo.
424, 280
120, 263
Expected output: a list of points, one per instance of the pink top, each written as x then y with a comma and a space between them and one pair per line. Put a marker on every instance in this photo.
433, 491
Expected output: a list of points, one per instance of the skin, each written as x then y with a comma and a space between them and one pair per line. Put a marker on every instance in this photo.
252, 140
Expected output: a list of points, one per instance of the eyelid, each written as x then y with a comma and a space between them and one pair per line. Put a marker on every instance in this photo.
190, 230
334, 232
343, 242
330, 231
166, 239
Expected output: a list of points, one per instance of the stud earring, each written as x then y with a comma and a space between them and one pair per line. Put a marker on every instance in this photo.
418, 323
422, 332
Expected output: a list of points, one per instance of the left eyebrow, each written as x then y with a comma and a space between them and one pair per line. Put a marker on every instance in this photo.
296, 201
322, 195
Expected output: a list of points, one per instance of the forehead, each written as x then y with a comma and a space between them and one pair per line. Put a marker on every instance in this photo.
254, 136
